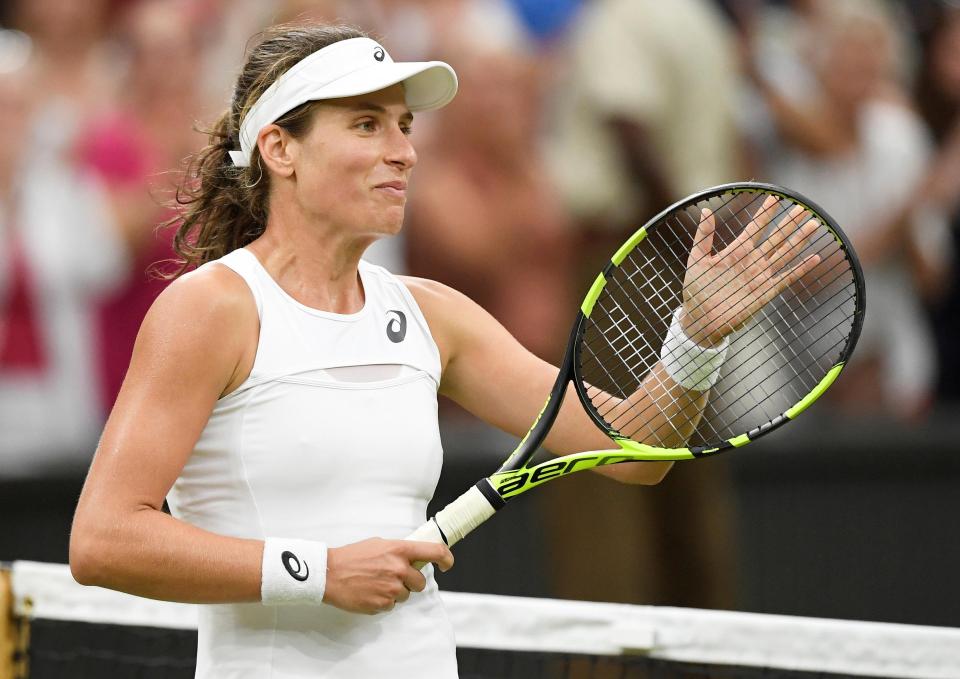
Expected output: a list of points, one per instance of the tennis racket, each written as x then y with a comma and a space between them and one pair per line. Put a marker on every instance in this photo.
755, 263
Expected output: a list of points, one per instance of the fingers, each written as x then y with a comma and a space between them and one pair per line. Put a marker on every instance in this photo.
703, 240
409, 579
743, 247
794, 245
752, 269
761, 219
374, 575
787, 279
400, 580
427, 552
414, 580
783, 231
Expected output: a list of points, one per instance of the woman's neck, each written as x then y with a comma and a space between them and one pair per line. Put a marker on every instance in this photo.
318, 268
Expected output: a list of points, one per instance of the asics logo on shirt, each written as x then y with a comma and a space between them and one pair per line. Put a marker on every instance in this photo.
292, 564
397, 326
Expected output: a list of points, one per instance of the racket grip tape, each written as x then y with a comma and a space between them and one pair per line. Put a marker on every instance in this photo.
455, 521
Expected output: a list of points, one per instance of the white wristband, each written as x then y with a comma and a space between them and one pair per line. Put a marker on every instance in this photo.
293, 572
690, 365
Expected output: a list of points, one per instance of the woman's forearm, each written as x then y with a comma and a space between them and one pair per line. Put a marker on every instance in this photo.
151, 554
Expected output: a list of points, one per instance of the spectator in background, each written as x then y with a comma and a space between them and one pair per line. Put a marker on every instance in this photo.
72, 71
644, 115
426, 26
938, 96
507, 246
547, 20
134, 147
58, 254
854, 145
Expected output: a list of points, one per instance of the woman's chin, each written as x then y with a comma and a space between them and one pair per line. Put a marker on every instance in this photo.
383, 231
391, 225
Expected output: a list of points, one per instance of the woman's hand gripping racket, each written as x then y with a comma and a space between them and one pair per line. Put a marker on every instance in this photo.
721, 319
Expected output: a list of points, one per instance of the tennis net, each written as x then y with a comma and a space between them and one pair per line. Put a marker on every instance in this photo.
56, 628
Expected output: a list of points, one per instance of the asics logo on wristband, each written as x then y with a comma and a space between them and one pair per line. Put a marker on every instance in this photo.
397, 327
293, 565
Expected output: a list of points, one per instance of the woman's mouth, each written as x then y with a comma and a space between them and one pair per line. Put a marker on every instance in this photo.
397, 189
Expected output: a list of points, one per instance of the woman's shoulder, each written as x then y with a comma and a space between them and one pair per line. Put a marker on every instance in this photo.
212, 295
202, 330
444, 309
454, 318
432, 296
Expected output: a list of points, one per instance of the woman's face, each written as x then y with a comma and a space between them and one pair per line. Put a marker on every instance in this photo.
352, 167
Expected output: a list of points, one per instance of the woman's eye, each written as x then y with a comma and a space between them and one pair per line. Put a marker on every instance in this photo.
367, 125
406, 129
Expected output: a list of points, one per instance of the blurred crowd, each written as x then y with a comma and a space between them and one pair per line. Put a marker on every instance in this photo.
576, 121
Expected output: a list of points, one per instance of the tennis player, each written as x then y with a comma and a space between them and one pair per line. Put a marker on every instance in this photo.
283, 396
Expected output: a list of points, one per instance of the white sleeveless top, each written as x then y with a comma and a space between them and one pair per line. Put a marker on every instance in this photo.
300, 451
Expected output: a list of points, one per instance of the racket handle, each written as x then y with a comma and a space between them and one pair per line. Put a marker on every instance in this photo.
452, 523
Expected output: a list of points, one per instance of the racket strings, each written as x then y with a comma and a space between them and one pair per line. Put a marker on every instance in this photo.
806, 369
660, 290
796, 394
841, 269
665, 304
733, 400
623, 426
767, 354
773, 361
784, 326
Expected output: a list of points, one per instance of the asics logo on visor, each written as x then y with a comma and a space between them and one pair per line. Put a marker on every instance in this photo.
378, 54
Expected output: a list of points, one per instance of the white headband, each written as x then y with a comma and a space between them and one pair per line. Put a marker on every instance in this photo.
345, 69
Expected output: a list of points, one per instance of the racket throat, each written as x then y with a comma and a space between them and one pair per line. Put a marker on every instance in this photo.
490, 493
534, 438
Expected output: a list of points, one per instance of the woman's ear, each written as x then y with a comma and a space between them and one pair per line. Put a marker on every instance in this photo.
275, 150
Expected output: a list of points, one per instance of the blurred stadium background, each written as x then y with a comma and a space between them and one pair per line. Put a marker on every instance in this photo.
576, 121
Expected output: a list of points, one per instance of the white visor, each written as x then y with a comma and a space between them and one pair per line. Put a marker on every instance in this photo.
345, 69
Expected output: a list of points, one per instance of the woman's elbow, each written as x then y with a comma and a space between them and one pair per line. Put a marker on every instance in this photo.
661, 469
82, 563
88, 553
642, 473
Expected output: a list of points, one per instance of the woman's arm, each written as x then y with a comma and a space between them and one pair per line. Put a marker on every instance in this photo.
493, 376
191, 348
487, 371
196, 344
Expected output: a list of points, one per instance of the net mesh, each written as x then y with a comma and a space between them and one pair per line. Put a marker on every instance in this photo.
65, 630
776, 356
84, 650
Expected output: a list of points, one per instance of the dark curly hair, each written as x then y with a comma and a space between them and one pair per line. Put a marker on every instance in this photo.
221, 207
